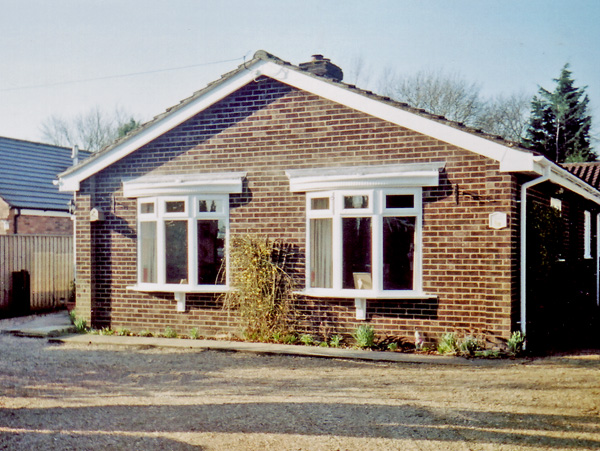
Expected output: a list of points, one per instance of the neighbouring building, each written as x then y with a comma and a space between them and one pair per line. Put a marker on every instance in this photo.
398, 218
30, 204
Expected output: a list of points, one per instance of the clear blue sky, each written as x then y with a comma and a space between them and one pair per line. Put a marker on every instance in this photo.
506, 46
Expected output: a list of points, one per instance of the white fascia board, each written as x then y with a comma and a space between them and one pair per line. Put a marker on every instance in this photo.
567, 180
49, 213
71, 181
184, 184
307, 180
511, 159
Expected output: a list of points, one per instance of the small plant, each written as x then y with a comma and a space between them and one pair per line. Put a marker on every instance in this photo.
448, 344
123, 332
289, 339
194, 333
80, 325
277, 337
170, 333
364, 336
307, 339
145, 333
324, 344
515, 343
469, 345
72, 316
106, 331
392, 347
335, 341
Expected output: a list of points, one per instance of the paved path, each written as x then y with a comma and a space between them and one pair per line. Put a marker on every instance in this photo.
57, 327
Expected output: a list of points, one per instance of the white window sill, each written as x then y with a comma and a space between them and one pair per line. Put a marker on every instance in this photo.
175, 288
364, 294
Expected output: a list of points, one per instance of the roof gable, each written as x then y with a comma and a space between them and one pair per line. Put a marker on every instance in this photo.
511, 158
27, 170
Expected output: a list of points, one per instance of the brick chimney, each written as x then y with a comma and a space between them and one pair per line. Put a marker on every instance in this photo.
323, 67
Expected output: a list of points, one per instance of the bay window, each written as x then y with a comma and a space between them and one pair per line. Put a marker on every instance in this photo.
182, 241
364, 229
364, 240
183, 230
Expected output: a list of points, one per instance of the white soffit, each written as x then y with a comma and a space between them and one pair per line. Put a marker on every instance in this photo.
393, 175
184, 184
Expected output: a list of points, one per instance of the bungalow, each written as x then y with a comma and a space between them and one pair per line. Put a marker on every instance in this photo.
399, 218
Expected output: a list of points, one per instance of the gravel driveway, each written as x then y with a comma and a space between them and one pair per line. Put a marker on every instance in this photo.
82, 397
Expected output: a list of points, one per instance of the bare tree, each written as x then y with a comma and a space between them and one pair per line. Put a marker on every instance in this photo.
505, 116
459, 100
438, 93
92, 130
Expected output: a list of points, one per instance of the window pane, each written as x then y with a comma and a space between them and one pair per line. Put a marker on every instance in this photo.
176, 251
320, 203
398, 253
147, 207
356, 250
148, 251
321, 261
176, 206
400, 201
356, 201
211, 250
208, 205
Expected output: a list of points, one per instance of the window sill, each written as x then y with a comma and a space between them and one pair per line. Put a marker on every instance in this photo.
174, 288
364, 294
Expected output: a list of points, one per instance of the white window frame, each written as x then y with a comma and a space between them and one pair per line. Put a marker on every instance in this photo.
587, 234
376, 210
380, 180
191, 215
190, 188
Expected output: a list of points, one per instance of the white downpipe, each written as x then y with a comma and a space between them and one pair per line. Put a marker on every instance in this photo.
543, 178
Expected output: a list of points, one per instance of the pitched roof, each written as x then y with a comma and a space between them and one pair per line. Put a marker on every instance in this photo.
588, 172
27, 170
511, 157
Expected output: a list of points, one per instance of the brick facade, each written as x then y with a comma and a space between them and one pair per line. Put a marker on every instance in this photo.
266, 128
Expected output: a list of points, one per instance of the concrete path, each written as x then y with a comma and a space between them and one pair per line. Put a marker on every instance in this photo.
57, 328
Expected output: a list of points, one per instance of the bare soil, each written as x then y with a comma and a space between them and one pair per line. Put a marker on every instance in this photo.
88, 397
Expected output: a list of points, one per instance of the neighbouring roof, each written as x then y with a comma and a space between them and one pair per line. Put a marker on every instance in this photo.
27, 170
511, 157
588, 172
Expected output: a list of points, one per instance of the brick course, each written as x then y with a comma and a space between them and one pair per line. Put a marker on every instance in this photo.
266, 128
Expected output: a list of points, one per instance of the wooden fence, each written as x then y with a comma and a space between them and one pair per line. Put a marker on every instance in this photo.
36, 272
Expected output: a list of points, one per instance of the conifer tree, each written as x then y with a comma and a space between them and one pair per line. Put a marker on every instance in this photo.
559, 126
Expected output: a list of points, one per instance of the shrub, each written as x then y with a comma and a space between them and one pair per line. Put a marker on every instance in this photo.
146, 333
263, 295
364, 335
123, 332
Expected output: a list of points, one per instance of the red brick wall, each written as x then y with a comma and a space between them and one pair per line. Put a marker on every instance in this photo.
265, 129
44, 225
